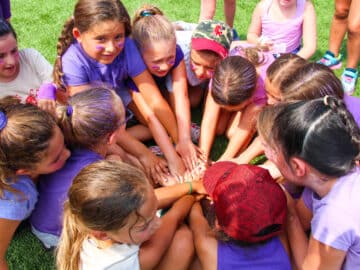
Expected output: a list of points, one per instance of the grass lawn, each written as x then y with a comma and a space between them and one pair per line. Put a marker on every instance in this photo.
38, 24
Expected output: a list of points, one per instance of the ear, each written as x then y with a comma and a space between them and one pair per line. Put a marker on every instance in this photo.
298, 166
112, 138
76, 33
100, 235
23, 172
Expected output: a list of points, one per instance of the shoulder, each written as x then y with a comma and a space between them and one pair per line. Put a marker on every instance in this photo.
262, 7
18, 206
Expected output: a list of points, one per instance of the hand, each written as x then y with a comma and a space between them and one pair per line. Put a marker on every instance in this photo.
155, 167
177, 168
188, 152
48, 105
265, 43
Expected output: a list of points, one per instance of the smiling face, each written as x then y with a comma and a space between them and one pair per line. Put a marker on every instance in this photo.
103, 42
9, 58
159, 57
54, 157
139, 228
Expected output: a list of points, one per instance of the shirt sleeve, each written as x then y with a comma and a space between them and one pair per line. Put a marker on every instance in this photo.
74, 72
334, 227
40, 65
134, 62
14, 209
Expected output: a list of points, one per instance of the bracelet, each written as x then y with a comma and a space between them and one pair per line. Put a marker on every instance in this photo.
191, 188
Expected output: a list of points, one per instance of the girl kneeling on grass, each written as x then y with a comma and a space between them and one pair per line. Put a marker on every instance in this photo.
110, 221
30, 144
316, 144
237, 95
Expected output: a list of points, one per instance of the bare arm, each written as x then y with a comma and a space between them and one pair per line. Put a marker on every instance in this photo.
244, 131
160, 136
152, 96
168, 195
7, 229
184, 147
309, 32
254, 31
204, 239
208, 124
152, 250
252, 151
72, 90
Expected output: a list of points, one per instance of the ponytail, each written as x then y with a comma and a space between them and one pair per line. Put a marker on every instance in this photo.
64, 42
71, 240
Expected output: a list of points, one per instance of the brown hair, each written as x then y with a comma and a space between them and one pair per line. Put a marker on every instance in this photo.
309, 82
90, 116
149, 25
88, 13
283, 67
234, 81
101, 198
24, 140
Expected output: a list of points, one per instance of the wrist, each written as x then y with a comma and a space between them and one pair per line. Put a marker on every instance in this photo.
47, 91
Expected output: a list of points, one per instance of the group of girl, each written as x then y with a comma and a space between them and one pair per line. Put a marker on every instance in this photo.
102, 213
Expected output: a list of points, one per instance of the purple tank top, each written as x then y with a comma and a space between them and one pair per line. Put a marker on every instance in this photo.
269, 255
287, 33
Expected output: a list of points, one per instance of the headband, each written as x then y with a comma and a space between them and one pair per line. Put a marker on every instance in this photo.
146, 13
3, 120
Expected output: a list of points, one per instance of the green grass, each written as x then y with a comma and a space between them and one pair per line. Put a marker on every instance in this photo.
38, 26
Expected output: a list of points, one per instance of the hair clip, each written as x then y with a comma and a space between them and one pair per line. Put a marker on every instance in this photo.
326, 100
69, 110
3, 120
146, 13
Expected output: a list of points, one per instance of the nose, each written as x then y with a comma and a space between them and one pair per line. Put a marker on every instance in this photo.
110, 46
10, 59
200, 71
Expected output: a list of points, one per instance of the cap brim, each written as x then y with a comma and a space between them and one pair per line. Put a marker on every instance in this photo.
210, 45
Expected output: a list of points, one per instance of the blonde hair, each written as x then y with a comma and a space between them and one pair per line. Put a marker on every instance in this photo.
90, 117
24, 140
101, 198
149, 25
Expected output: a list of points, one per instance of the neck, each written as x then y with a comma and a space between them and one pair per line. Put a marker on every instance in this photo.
321, 185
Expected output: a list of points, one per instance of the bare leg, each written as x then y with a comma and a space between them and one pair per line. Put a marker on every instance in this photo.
353, 43
181, 251
207, 9
229, 11
339, 25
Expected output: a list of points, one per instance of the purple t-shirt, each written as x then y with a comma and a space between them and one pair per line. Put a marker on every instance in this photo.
53, 189
80, 69
18, 206
161, 81
269, 255
353, 105
336, 217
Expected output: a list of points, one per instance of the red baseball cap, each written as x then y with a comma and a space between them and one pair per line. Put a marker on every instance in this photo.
249, 205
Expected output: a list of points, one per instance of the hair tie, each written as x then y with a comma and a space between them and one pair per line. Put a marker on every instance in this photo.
146, 13
69, 110
326, 100
3, 120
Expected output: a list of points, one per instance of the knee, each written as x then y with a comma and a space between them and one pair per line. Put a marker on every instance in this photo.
354, 27
341, 11
183, 240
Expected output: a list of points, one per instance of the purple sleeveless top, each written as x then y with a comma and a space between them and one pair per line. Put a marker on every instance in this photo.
288, 32
269, 255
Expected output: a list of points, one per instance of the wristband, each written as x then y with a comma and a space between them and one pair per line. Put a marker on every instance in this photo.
47, 91
190, 188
